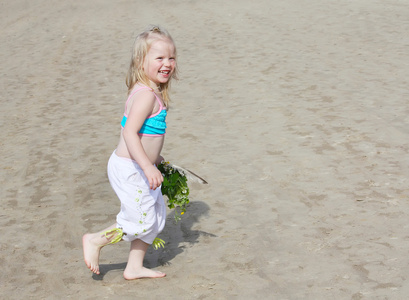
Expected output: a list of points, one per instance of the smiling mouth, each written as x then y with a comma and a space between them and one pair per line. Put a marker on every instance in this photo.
165, 72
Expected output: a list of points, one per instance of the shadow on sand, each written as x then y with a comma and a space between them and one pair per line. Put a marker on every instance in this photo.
176, 235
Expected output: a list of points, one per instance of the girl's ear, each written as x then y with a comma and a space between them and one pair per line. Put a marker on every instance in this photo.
142, 64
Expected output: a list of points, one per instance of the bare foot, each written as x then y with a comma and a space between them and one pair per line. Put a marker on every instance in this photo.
142, 273
91, 252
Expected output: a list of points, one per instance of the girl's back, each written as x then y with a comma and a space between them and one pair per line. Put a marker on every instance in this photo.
152, 132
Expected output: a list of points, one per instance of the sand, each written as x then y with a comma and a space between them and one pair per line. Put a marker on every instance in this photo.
295, 112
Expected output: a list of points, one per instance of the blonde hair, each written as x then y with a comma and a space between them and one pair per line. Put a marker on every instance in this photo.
143, 43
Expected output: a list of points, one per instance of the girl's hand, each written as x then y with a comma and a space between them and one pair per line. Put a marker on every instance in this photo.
154, 176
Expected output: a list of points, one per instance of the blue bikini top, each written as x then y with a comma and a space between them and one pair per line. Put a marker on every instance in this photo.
155, 124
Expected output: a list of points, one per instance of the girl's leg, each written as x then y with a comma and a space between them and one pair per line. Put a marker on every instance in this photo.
135, 269
92, 244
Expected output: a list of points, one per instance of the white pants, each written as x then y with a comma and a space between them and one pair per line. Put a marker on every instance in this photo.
143, 210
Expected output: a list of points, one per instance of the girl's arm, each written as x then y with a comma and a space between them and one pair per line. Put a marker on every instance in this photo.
159, 160
142, 105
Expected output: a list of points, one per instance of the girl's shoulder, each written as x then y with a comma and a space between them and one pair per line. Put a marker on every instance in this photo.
140, 87
141, 96
141, 91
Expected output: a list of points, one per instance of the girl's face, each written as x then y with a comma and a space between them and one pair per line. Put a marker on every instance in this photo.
160, 62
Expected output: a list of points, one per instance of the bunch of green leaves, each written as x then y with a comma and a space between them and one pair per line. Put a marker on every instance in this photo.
175, 188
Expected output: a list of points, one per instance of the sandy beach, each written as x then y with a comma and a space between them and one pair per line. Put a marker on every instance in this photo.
295, 112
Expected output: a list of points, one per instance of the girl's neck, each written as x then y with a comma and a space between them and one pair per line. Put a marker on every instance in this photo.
154, 87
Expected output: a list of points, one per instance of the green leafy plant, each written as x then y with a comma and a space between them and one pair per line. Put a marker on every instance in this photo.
175, 188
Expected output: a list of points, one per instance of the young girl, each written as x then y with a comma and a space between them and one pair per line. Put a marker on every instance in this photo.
132, 168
